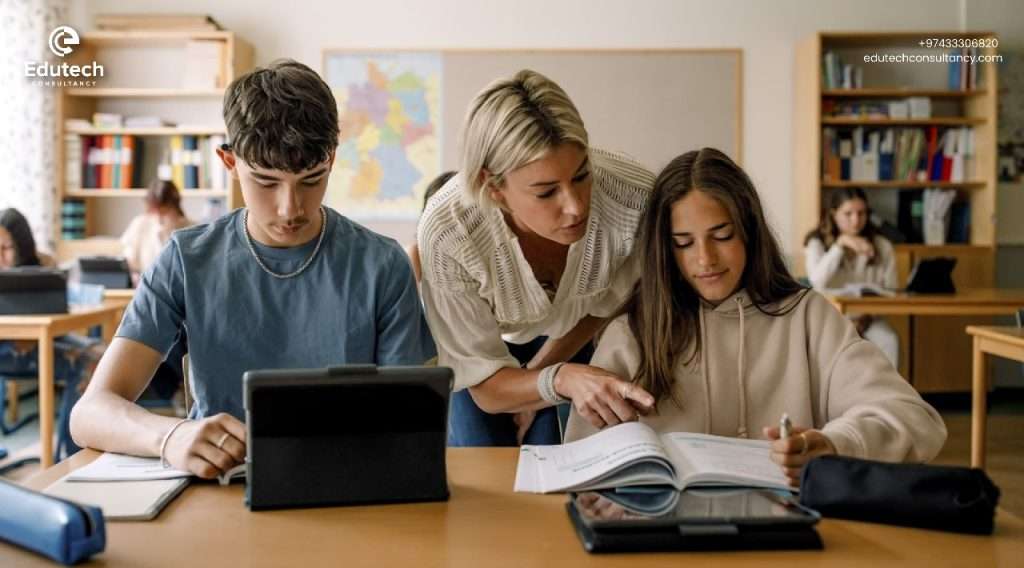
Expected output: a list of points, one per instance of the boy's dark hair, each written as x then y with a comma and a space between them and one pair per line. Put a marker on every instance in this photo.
281, 117
24, 244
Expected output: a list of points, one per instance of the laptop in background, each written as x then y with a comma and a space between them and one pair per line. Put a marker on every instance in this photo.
933, 276
106, 271
33, 290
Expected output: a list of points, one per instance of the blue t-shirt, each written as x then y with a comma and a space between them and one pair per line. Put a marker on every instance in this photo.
355, 303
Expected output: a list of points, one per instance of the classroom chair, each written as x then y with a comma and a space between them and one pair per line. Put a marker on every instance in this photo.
65, 445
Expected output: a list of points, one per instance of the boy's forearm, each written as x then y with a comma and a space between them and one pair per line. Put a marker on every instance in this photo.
105, 421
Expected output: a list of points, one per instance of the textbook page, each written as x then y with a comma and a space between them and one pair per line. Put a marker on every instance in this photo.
627, 454
705, 460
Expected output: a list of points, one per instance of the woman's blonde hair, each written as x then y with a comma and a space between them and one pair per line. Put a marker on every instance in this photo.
511, 123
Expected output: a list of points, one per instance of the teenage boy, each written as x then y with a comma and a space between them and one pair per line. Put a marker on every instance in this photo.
284, 282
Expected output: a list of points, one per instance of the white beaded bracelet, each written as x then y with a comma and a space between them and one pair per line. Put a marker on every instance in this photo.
163, 444
546, 385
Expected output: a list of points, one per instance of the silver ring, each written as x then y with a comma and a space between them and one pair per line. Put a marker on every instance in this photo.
224, 438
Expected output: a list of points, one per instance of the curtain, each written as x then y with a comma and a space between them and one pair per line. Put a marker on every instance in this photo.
28, 128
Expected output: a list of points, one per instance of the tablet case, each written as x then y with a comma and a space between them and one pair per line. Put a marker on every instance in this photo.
346, 435
30, 290
696, 537
61, 530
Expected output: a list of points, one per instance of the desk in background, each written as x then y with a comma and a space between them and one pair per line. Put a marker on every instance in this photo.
975, 302
1003, 341
935, 356
484, 524
43, 329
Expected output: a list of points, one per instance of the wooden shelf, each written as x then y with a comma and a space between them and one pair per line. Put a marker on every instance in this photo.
136, 192
147, 38
903, 184
947, 121
150, 131
127, 93
895, 92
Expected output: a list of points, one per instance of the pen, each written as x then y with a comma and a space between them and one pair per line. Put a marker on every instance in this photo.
784, 426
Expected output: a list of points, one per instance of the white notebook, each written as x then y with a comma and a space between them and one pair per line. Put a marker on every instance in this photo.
120, 467
121, 500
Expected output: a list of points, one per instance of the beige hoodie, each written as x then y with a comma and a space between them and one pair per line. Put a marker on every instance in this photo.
809, 363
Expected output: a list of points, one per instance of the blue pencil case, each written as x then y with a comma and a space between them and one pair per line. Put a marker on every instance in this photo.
64, 531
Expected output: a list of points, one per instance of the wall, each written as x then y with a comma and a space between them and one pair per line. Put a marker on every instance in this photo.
766, 31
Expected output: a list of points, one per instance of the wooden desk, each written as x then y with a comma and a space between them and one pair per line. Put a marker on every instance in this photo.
973, 302
119, 294
484, 524
1003, 341
43, 329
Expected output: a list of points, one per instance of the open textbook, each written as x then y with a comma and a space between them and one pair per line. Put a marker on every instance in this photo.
632, 454
119, 467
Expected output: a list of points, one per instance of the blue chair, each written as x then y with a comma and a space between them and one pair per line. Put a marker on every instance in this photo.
18, 424
65, 445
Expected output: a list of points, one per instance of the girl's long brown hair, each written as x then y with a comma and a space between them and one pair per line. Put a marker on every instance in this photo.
663, 309
163, 194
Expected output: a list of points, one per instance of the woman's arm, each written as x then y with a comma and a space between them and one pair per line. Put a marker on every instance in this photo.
565, 347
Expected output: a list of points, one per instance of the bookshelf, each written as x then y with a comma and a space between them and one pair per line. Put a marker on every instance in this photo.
145, 75
933, 357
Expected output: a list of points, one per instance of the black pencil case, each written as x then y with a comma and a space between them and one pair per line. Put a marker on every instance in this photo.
956, 499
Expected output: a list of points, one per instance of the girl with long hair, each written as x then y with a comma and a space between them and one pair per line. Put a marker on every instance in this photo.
846, 248
726, 340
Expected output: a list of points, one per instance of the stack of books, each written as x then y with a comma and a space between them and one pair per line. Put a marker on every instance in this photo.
898, 154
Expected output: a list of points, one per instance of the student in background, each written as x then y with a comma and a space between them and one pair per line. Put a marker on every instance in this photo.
147, 234
525, 252
75, 356
847, 248
726, 340
17, 245
284, 282
414, 249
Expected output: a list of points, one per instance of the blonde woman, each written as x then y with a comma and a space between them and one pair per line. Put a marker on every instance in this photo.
525, 252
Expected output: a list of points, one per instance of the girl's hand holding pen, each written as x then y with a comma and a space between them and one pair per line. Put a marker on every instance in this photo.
794, 451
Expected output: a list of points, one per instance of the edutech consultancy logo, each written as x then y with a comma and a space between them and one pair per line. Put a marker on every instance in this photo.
61, 42
60, 38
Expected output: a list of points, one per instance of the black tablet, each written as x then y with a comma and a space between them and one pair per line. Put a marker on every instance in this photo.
632, 507
695, 519
346, 435
33, 290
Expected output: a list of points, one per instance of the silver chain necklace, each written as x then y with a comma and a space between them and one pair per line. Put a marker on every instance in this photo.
252, 248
